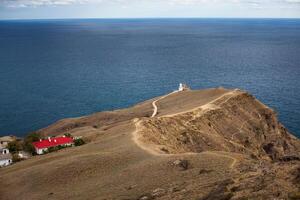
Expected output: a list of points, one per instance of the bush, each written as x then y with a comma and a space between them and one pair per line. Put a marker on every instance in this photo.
16, 158
52, 149
33, 137
79, 142
27, 145
61, 147
15, 146
68, 134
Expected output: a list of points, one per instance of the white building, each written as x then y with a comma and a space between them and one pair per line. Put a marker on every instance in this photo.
42, 146
5, 157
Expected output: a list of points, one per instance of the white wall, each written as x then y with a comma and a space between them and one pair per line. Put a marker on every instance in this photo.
40, 151
5, 162
5, 151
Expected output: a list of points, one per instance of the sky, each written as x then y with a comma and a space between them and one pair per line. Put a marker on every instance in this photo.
58, 9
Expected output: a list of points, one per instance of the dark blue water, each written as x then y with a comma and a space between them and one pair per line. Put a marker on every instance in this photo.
51, 70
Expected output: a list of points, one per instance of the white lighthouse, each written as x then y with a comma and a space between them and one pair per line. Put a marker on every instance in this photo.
181, 88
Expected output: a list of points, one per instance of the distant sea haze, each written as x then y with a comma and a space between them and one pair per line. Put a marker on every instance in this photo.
55, 69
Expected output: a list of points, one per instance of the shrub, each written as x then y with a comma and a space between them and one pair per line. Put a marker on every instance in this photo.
52, 149
68, 134
16, 158
79, 142
59, 147
15, 146
27, 145
33, 137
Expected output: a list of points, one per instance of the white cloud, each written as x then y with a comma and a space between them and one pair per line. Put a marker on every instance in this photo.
38, 3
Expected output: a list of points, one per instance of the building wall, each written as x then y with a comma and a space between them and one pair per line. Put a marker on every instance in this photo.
5, 162
40, 151
4, 151
4, 143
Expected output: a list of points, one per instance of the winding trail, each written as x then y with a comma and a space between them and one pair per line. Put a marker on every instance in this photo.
207, 105
152, 149
154, 102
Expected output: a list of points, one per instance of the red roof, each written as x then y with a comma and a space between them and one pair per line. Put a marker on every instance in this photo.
52, 142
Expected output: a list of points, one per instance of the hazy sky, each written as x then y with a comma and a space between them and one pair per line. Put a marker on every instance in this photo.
32, 9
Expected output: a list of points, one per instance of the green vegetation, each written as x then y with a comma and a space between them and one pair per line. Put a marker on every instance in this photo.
56, 148
28, 146
33, 137
68, 135
79, 142
15, 146
24, 145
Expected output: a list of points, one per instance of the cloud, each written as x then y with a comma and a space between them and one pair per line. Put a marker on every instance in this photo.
39, 3
293, 1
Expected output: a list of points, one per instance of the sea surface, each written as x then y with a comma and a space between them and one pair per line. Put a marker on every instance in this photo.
54, 69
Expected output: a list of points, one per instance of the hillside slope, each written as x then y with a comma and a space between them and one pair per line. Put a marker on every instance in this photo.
233, 122
206, 144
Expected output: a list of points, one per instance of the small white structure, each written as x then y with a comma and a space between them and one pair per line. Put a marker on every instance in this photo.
5, 157
180, 87
183, 87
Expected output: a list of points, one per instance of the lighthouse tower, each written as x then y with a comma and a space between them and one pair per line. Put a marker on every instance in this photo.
181, 88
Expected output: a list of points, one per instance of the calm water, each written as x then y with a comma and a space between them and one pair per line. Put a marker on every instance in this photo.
51, 70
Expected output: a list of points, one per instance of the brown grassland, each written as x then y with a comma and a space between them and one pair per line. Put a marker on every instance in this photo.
202, 144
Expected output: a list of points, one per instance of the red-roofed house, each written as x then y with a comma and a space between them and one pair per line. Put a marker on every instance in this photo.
43, 145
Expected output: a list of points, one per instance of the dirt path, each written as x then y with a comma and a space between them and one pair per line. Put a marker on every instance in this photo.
152, 149
154, 103
206, 106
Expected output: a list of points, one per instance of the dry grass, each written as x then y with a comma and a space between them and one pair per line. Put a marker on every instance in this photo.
114, 166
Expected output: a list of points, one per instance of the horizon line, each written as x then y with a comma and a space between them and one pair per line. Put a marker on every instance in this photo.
126, 18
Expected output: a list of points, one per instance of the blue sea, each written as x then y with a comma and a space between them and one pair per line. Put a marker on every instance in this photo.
54, 69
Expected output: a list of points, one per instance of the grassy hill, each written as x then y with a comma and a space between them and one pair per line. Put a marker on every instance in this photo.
206, 144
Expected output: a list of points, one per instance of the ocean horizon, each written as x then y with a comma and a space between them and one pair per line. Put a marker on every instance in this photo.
150, 18
52, 69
